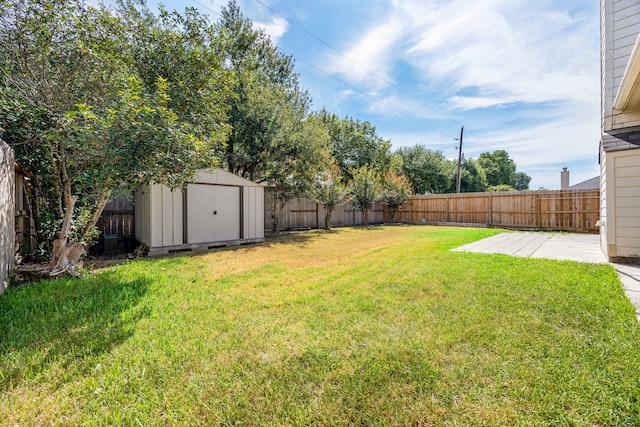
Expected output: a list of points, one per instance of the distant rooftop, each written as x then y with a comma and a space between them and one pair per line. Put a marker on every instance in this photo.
590, 184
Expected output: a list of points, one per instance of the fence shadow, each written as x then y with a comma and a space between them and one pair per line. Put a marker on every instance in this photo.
66, 321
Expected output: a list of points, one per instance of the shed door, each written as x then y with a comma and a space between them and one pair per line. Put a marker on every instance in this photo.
213, 213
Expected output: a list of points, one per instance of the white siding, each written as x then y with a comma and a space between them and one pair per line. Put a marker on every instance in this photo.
619, 32
166, 216
603, 201
622, 196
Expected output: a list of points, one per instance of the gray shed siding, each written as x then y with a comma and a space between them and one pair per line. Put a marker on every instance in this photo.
217, 208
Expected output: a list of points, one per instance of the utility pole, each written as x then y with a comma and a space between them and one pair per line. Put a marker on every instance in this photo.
459, 161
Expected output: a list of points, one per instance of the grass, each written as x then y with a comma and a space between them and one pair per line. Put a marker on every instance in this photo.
351, 327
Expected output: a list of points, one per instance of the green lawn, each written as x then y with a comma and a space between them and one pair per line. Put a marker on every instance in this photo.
352, 327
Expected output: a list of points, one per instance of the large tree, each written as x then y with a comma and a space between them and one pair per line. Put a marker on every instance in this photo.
427, 170
500, 171
472, 178
522, 181
82, 118
266, 99
274, 139
356, 143
498, 167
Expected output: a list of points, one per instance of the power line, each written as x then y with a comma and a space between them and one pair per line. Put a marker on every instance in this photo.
367, 95
343, 82
207, 7
357, 63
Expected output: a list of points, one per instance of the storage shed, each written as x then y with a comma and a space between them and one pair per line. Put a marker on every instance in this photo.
217, 209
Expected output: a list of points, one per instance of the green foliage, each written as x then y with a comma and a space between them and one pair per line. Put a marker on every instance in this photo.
473, 178
500, 170
499, 188
396, 191
498, 167
427, 170
139, 141
522, 181
96, 100
329, 190
366, 189
273, 140
184, 49
356, 144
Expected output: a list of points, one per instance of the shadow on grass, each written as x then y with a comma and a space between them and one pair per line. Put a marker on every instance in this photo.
66, 322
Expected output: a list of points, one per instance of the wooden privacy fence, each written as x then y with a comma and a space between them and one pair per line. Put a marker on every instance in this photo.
301, 212
563, 210
26, 240
118, 218
7, 212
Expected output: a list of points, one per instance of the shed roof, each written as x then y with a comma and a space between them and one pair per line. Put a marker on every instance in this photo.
222, 177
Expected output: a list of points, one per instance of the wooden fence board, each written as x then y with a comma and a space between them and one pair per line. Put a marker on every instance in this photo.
7, 212
301, 212
118, 218
564, 210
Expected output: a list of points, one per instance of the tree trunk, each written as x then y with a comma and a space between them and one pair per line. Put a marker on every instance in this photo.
327, 217
365, 217
274, 214
393, 212
66, 256
105, 195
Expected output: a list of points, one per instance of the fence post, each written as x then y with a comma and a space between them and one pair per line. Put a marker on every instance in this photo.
7, 212
538, 212
411, 210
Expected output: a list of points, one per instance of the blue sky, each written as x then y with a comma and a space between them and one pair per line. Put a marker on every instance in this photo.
522, 76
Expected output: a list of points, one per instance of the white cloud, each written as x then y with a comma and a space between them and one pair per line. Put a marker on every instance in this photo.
370, 53
275, 28
508, 50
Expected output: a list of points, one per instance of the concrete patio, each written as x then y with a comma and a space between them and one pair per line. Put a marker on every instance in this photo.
559, 246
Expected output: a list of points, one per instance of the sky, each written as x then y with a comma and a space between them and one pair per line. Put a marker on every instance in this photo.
522, 76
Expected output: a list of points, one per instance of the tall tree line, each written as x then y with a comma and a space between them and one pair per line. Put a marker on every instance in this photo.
98, 100
429, 171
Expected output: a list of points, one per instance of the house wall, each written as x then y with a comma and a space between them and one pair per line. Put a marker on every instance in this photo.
619, 160
620, 26
621, 178
603, 202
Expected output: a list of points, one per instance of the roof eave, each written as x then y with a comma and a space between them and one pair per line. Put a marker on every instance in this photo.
630, 80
